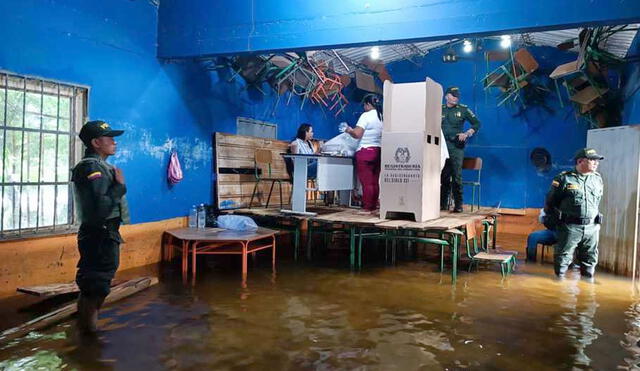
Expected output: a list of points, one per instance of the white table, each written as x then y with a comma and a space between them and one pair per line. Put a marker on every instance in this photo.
335, 173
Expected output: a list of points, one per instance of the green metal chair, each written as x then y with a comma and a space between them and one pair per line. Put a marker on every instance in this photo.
474, 164
507, 261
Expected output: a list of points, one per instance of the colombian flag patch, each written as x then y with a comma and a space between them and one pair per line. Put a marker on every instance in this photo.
95, 175
555, 183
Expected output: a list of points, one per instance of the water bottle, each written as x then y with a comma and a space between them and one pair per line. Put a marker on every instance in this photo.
193, 216
201, 216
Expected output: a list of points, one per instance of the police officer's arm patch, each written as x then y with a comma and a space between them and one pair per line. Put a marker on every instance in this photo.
555, 183
94, 175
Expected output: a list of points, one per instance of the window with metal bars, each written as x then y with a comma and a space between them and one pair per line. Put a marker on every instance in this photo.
38, 125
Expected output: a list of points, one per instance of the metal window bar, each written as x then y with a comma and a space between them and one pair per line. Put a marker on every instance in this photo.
4, 143
40, 150
24, 106
77, 106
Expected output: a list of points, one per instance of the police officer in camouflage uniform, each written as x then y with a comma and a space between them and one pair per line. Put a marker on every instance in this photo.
453, 117
99, 190
573, 201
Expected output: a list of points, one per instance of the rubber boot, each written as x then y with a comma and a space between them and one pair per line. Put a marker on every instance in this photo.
88, 314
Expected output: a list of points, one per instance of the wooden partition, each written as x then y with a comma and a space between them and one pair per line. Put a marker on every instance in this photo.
235, 168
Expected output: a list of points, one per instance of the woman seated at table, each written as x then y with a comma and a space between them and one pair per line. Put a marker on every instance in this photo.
302, 145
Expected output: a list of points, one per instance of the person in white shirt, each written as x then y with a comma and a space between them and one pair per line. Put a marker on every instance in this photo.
369, 130
302, 145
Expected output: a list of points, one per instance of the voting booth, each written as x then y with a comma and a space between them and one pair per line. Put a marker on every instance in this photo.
411, 150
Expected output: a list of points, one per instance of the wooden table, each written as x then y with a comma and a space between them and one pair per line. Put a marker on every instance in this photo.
212, 241
447, 224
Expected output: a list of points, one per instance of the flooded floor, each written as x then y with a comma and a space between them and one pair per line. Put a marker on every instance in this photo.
322, 316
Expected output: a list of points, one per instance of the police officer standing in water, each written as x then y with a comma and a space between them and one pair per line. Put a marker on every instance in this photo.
572, 202
453, 117
99, 191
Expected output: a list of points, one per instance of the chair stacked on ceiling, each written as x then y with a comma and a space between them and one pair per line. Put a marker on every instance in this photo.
293, 73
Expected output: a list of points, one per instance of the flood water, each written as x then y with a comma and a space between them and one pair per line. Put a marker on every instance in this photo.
323, 316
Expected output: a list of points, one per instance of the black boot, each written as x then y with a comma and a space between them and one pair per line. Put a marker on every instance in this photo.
444, 200
457, 198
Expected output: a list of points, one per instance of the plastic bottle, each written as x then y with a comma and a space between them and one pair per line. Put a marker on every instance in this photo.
193, 216
201, 216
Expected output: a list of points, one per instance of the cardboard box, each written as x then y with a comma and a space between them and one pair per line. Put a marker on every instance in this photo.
411, 150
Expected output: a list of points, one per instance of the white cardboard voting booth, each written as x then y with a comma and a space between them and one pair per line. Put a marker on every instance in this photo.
411, 150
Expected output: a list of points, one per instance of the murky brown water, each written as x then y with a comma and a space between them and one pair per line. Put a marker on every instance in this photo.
406, 317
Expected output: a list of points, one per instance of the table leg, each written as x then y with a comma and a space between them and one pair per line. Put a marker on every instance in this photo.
273, 254
244, 259
495, 231
360, 249
352, 246
299, 197
454, 256
194, 247
185, 249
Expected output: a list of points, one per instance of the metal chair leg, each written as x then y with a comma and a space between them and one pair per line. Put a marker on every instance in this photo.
270, 190
280, 188
255, 188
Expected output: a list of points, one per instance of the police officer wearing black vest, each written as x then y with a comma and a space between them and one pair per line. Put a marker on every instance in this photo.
99, 191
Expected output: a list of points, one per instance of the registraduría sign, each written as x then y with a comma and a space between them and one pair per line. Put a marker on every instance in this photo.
402, 170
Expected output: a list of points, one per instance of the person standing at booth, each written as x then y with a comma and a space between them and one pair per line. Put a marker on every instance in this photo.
368, 130
453, 117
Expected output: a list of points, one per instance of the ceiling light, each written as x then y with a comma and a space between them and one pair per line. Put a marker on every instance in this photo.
467, 46
505, 41
375, 52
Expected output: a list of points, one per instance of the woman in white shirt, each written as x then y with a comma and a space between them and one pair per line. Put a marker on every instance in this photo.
302, 145
369, 130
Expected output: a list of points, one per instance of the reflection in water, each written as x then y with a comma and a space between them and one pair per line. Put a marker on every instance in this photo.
631, 340
578, 300
389, 318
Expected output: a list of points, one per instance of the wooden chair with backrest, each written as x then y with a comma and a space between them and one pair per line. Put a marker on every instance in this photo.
263, 158
507, 261
473, 164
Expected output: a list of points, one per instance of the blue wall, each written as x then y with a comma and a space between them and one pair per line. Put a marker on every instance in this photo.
111, 47
631, 89
205, 27
505, 142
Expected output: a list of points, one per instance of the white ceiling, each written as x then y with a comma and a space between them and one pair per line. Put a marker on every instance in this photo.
618, 44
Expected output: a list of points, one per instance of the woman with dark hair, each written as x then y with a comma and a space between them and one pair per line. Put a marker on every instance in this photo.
301, 145
369, 130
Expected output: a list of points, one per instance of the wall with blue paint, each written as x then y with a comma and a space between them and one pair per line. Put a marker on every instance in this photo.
205, 27
505, 141
631, 88
111, 47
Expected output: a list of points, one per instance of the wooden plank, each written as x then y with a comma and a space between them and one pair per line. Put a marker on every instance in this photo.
121, 291
55, 289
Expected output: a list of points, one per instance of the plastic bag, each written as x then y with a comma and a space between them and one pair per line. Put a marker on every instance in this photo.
343, 144
444, 151
174, 172
237, 223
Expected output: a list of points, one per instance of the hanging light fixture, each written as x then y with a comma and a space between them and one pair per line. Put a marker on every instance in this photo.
467, 46
505, 41
375, 52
